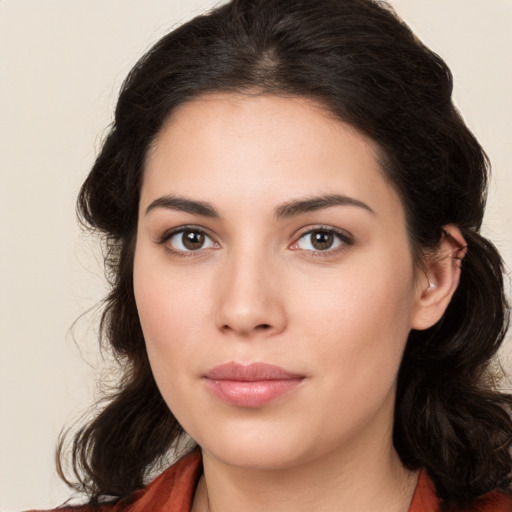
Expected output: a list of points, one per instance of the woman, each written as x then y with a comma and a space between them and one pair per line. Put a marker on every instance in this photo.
292, 207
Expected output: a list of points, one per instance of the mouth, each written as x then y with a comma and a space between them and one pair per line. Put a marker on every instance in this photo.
250, 386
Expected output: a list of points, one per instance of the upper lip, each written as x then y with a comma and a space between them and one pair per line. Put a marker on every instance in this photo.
250, 373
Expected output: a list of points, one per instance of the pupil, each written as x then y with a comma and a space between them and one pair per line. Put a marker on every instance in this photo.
193, 240
322, 240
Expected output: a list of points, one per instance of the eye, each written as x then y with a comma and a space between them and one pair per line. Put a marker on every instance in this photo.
321, 240
188, 240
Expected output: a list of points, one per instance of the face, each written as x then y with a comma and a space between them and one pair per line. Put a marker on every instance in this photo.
274, 280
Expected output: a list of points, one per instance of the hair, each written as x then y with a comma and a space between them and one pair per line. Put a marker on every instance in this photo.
363, 64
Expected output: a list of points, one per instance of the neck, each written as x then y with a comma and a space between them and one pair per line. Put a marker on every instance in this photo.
375, 479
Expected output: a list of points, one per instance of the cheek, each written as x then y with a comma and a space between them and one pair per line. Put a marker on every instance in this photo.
170, 313
172, 320
361, 323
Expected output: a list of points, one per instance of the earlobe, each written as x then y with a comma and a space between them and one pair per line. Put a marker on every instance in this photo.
440, 279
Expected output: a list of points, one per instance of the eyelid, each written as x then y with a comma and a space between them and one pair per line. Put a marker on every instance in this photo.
345, 237
168, 234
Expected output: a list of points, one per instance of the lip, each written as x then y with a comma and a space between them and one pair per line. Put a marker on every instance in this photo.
253, 385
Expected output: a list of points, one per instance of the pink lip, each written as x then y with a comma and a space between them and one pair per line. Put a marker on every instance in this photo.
253, 385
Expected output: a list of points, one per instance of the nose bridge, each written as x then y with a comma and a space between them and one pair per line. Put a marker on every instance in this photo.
248, 299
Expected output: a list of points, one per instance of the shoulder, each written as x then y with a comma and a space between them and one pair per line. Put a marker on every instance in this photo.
494, 501
174, 487
77, 508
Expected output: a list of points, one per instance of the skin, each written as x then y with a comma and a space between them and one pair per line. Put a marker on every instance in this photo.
259, 291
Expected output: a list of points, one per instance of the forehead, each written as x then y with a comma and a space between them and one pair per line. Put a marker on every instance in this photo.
246, 147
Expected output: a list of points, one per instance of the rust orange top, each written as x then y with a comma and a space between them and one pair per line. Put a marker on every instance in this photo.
173, 491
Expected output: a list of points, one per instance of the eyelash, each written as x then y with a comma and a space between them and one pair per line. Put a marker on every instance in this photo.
345, 240
176, 252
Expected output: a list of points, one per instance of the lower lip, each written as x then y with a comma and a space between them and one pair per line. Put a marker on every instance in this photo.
251, 393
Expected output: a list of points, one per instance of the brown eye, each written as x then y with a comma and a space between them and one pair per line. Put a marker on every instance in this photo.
188, 240
193, 240
322, 240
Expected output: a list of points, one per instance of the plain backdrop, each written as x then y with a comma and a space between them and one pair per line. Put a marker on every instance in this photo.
62, 62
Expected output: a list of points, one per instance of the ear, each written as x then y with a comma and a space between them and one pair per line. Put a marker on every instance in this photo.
438, 279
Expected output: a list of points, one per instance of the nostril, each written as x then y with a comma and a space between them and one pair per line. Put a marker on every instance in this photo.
258, 327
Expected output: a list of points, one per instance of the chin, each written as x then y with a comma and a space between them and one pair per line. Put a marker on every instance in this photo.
255, 457
265, 449
253, 448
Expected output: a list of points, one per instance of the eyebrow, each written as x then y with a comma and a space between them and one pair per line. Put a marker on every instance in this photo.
284, 211
181, 204
297, 207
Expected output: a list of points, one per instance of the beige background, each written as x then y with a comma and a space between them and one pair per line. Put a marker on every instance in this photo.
62, 64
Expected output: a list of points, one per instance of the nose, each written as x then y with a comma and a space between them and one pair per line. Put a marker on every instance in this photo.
249, 298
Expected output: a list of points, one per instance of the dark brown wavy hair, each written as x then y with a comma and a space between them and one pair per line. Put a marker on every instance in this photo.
365, 66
